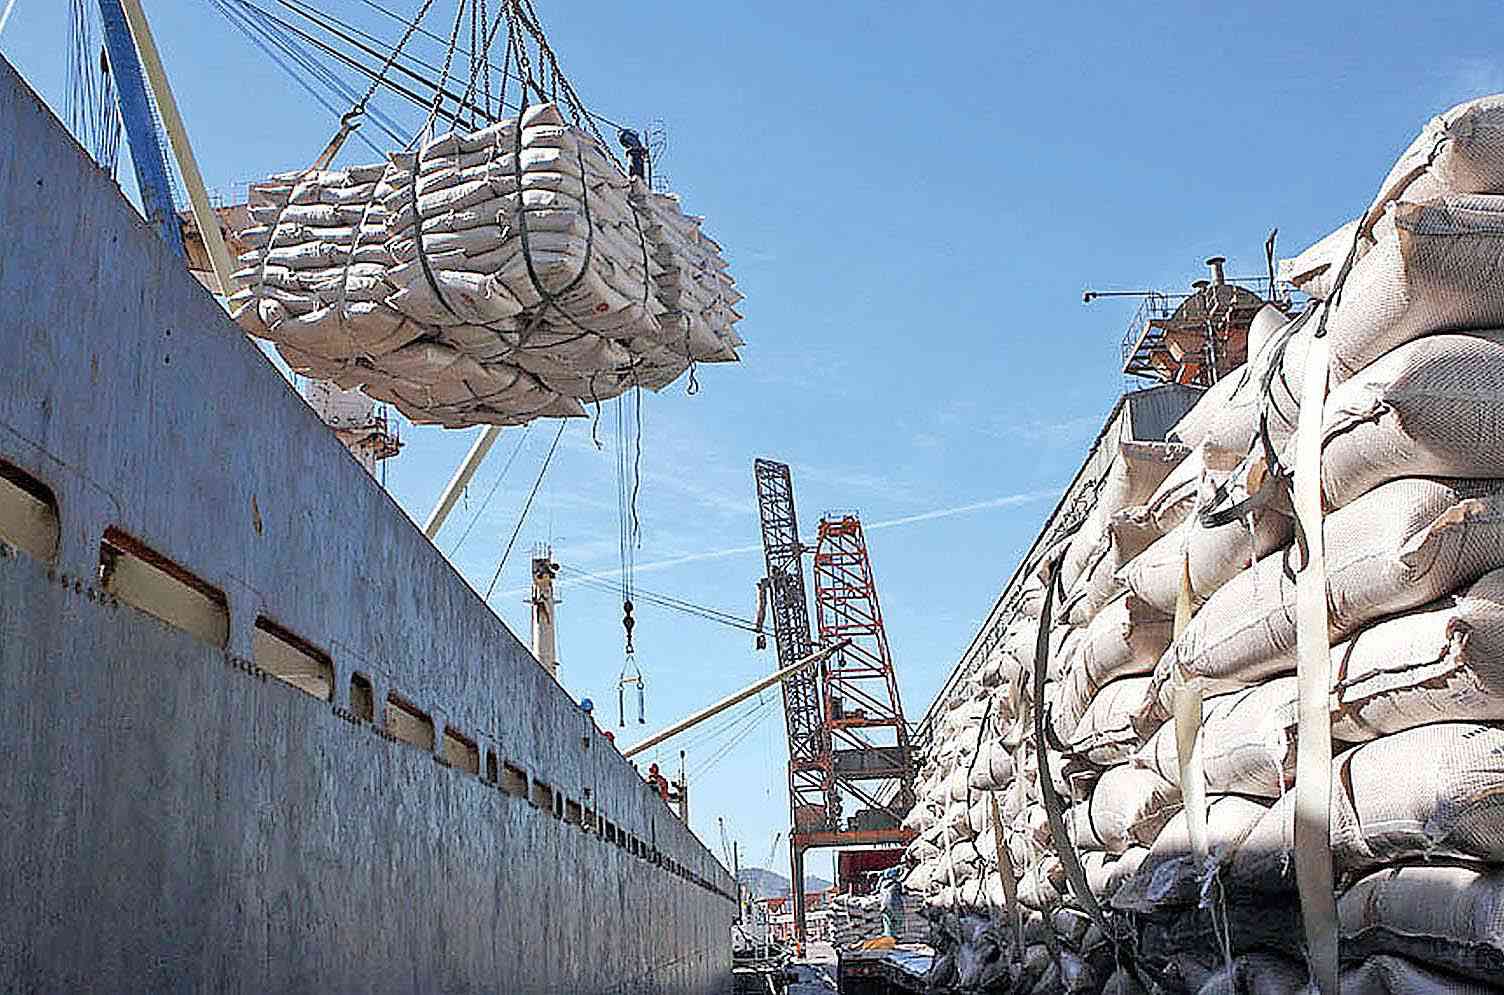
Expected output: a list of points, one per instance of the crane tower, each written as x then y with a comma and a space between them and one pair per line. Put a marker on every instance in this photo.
847, 734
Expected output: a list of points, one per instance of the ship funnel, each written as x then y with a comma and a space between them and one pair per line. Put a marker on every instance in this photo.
1218, 276
1200, 284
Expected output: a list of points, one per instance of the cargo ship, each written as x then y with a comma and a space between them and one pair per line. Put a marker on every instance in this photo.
261, 736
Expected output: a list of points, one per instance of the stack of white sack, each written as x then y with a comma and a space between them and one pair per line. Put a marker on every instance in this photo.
493, 276
1413, 483
855, 919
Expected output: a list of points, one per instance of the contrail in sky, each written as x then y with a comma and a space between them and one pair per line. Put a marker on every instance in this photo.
1007, 501
1010, 501
5, 14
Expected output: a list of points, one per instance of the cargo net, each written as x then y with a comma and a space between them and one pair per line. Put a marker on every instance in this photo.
1080, 829
491, 275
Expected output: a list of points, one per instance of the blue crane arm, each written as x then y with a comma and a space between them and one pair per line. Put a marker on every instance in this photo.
140, 126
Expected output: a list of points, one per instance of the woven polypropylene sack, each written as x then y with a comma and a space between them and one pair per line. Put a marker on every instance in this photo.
1388, 975
1170, 875
1096, 585
1106, 872
1126, 638
1214, 556
1459, 151
1195, 424
1193, 482
1257, 974
1041, 885
1137, 468
1266, 388
993, 766
1247, 742
1399, 546
1447, 918
1435, 791
1266, 323
1064, 643
1128, 806
1434, 267
492, 276
1430, 408
1105, 736
1315, 270
1173, 501
1443, 662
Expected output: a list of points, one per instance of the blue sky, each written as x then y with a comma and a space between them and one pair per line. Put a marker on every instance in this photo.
912, 198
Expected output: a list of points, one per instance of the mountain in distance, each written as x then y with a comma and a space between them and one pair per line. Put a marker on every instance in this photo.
770, 884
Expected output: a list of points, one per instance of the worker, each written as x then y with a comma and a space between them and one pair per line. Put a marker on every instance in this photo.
637, 153
890, 890
658, 781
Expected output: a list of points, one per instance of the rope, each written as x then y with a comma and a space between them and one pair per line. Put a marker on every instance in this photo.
423, 261
1054, 808
265, 39
502, 71
492, 492
528, 505
663, 600
360, 67
549, 300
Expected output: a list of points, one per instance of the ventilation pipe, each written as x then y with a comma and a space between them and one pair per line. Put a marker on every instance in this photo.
1216, 263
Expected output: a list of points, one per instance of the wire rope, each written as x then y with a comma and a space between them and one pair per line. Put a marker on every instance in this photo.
511, 458
526, 506
298, 51
269, 44
710, 762
599, 582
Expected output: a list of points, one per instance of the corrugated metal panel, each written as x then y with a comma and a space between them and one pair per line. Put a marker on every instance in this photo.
1153, 412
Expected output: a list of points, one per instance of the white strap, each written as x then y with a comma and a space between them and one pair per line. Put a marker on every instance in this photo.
1313, 765
1010, 883
1188, 733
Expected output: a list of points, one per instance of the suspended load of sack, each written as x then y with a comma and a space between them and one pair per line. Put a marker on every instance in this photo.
1142, 843
491, 277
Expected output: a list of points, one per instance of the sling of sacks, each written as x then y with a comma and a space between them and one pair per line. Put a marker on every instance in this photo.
1412, 475
494, 276
855, 918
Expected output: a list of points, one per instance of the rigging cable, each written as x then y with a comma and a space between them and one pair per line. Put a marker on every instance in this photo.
93, 115
345, 30
598, 582
706, 765
631, 673
297, 50
266, 39
523, 517
511, 458
718, 728
379, 80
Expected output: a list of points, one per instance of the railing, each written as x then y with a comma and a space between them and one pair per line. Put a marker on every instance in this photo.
1162, 306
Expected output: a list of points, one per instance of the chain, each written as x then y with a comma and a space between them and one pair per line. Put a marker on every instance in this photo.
454, 42
391, 59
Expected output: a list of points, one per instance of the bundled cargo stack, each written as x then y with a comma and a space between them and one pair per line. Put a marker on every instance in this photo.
855, 919
493, 276
1179, 587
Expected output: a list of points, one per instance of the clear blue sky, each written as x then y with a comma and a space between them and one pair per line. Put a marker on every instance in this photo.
912, 198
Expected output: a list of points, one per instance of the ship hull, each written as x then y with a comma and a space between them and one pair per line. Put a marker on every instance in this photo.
175, 817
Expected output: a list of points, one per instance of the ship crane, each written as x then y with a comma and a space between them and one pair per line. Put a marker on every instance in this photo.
846, 730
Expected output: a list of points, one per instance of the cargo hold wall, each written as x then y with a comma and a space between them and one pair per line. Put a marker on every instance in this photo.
259, 735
